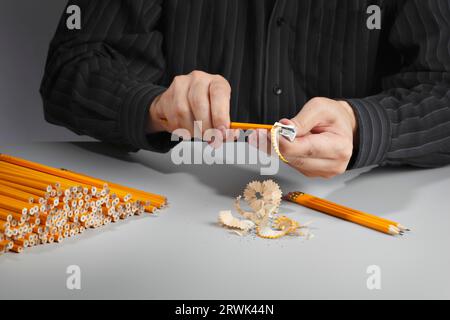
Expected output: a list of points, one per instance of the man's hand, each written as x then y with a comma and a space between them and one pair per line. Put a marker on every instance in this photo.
198, 96
324, 143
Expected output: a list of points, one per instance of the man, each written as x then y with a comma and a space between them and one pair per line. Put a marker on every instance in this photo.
360, 96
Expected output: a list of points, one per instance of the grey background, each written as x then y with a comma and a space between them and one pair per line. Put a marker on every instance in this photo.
183, 254
26, 28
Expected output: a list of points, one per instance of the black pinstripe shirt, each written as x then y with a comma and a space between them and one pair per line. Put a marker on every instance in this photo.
100, 80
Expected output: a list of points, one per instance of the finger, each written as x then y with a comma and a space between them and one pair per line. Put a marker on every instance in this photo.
260, 139
228, 135
157, 106
232, 135
179, 114
214, 137
198, 97
219, 95
323, 168
309, 118
163, 111
186, 118
321, 146
157, 121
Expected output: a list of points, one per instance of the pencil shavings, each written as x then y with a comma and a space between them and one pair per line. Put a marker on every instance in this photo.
264, 199
282, 226
257, 194
228, 220
254, 216
269, 233
275, 138
286, 224
287, 131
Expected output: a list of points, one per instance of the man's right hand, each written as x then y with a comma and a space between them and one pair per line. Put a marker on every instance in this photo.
198, 96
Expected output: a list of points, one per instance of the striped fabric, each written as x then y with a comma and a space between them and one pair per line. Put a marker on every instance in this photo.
100, 81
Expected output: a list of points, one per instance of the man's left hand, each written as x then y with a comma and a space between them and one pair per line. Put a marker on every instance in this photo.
326, 130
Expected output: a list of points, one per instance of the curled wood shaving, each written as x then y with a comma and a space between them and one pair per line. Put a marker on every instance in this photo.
275, 138
291, 227
268, 233
228, 220
250, 215
282, 226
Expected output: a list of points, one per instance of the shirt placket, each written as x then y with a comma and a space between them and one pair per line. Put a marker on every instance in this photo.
274, 89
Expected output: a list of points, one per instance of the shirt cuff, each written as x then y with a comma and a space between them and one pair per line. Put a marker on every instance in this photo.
373, 131
134, 116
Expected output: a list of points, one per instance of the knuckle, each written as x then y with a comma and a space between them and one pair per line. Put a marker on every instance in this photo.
177, 81
181, 110
318, 104
342, 168
345, 152
310, 148
338, 170
196, 74
298, 162
348, 154
316, 101
298, 122
220, 78
221, 83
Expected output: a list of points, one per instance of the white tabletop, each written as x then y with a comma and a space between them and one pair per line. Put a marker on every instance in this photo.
183, 254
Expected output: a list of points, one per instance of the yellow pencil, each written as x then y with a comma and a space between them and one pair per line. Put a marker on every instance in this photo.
345, 213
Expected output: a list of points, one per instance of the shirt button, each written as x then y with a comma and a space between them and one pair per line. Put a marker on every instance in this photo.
281, 21
277, 90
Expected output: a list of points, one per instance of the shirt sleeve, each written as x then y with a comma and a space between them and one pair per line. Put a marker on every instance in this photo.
409, 122
101, 80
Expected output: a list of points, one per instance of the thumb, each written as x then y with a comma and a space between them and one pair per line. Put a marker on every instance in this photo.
288, 122
308, 119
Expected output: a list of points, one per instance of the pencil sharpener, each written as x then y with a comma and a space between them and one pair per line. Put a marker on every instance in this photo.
289, 132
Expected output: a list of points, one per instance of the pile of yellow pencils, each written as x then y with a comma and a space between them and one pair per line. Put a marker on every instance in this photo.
41, 204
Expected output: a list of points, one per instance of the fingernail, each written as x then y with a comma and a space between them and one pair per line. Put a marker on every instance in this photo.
285, 121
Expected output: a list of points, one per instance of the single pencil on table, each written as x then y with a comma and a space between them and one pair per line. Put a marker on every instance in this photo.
345, 213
